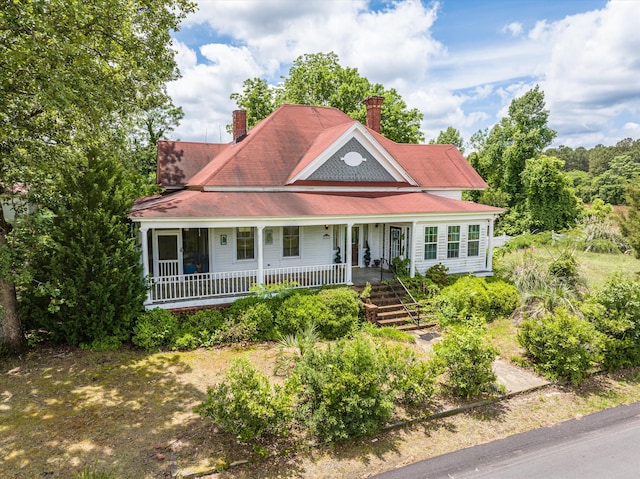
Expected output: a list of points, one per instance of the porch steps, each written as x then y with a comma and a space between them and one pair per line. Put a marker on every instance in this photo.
391, 312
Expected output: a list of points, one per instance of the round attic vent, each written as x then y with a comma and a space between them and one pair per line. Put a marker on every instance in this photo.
353, 158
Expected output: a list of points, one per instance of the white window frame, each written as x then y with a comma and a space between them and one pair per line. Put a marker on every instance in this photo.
282, 235
237, 238
454, 242
474, 240
430, 243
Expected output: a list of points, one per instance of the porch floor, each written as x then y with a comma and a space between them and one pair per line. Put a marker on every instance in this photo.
371, 275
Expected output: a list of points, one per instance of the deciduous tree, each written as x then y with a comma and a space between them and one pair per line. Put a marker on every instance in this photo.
319, 79
551, 202
521, 135
69, 69
450, 136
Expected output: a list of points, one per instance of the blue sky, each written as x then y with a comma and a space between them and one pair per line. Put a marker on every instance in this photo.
459, 62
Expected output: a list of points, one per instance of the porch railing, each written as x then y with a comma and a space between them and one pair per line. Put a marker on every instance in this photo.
235, 283
168, 268
307, 276
201, 285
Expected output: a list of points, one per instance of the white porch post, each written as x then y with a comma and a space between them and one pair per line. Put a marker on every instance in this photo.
347, 254
144, 242
490, 246
414, 241
260, 278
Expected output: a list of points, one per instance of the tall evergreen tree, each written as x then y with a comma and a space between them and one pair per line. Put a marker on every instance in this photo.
68, 68
90, 287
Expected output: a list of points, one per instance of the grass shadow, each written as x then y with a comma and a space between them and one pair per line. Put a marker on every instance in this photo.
126, 411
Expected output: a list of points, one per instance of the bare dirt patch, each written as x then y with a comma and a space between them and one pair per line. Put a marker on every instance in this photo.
131, 413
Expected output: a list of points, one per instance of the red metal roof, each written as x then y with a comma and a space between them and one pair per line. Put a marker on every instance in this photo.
282, 144
220, 205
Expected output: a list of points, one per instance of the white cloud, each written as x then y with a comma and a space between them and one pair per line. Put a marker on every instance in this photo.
515, 29
185, 57
587, 64
204, 89
592, 74
392, 46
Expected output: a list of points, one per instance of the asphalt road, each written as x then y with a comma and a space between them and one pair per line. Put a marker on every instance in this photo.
604, 445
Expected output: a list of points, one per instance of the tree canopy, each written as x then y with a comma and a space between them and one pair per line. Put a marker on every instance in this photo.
319, 79
69, 72
602, 172
519, 136
450, 136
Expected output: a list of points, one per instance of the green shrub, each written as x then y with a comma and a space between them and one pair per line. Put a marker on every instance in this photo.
260, 317
438, 274
561, 345
503, 298
298, 311
110, 343
344, 308
196, 330
344, 389
421, 287
411, 378
241, 304
467, 358
526, 240
155, 329
246, 405
615, 312
565, 268
235, 332
469, 295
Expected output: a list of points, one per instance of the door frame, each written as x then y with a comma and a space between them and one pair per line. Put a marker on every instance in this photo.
391, 242
356, 262
177, 234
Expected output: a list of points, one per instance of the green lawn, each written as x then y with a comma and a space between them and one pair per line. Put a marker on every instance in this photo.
595, 268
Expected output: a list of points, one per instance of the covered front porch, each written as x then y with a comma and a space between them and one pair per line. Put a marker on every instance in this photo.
194, 265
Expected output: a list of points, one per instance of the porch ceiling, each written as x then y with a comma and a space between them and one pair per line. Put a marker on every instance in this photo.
214, 204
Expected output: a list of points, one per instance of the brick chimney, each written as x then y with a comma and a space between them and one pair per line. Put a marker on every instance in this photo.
374, 105
239, 125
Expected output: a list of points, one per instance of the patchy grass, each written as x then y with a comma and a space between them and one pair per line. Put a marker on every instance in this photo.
597, 267
594, 267
502, 335
127, 412
130, 413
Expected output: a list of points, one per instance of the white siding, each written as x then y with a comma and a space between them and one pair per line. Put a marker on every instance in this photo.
462, 264
314, 249
454, 194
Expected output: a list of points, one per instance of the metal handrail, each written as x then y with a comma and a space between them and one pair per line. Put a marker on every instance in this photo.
410, 312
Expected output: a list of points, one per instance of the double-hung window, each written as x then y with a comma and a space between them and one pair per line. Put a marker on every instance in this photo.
290, 241
453, 242
431, 242
245, 243
473, 240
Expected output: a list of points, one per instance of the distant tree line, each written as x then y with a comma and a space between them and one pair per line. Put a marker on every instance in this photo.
604, 172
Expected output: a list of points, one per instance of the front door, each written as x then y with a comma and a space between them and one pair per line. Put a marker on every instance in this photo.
166, 253
355, 246
395, 244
